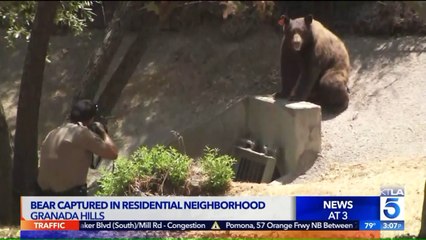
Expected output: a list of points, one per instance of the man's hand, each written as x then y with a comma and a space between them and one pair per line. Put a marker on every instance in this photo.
108, 149
99, 129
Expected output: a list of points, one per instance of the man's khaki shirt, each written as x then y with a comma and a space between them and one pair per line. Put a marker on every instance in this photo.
66, 155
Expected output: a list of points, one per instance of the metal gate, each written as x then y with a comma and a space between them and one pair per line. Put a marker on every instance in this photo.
256, 163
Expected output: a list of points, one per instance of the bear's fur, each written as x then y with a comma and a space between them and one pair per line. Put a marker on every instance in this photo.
315, 65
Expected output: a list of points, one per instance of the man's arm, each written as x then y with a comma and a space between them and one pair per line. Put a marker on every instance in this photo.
104, 148
112, 152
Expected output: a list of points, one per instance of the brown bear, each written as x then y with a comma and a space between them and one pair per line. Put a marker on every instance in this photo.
315, 64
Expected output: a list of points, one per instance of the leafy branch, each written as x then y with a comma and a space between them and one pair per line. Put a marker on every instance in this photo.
17, 17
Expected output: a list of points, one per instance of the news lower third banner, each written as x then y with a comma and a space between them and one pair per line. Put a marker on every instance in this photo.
287, 213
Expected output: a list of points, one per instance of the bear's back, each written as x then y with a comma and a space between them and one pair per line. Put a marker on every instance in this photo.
328, 45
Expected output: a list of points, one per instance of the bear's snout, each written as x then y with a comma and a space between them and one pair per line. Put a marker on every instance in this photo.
297, 42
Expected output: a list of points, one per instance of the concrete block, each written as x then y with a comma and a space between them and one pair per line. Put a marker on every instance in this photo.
292, 130
302, 138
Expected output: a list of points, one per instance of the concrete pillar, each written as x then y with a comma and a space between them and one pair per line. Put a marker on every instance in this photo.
302, 138
293, 129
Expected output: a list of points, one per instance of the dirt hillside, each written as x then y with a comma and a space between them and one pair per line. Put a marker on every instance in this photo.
185, 78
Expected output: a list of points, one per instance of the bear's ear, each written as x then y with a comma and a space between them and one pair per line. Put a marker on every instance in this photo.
308, 19
284, 20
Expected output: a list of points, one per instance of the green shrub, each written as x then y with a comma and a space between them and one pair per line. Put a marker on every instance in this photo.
163, 163
117, 182
218, 169
152, 169
146, 168
179, 167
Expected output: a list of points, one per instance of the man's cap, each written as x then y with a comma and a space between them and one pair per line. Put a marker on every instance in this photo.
83, 110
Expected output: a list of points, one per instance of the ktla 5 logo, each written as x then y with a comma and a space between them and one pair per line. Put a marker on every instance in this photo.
392, 208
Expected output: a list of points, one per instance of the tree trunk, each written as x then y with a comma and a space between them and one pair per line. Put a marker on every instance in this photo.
122, 74
100, 60
5, 169
25, 153
422, 233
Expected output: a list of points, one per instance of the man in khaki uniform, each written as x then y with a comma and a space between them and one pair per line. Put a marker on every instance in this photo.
67, 151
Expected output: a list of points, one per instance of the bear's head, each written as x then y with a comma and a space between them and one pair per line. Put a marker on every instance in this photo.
297, 31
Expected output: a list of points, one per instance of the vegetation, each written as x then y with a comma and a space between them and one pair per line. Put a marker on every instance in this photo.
157, 168
34, 21
218, 168
25, 142
161, 170
18, 16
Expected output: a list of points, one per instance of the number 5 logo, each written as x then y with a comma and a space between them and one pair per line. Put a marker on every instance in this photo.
391, 203
392, 208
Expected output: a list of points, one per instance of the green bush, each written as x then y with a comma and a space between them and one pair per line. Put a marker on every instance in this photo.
218, 169
152, 169
154, 166
117, 182
161, 162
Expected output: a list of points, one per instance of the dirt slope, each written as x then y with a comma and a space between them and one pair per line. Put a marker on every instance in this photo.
381, 138
185, 78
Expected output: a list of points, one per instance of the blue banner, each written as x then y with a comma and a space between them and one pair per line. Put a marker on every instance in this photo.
337, 208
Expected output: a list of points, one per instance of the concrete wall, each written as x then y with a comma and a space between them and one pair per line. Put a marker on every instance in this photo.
222, 131
291, 130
